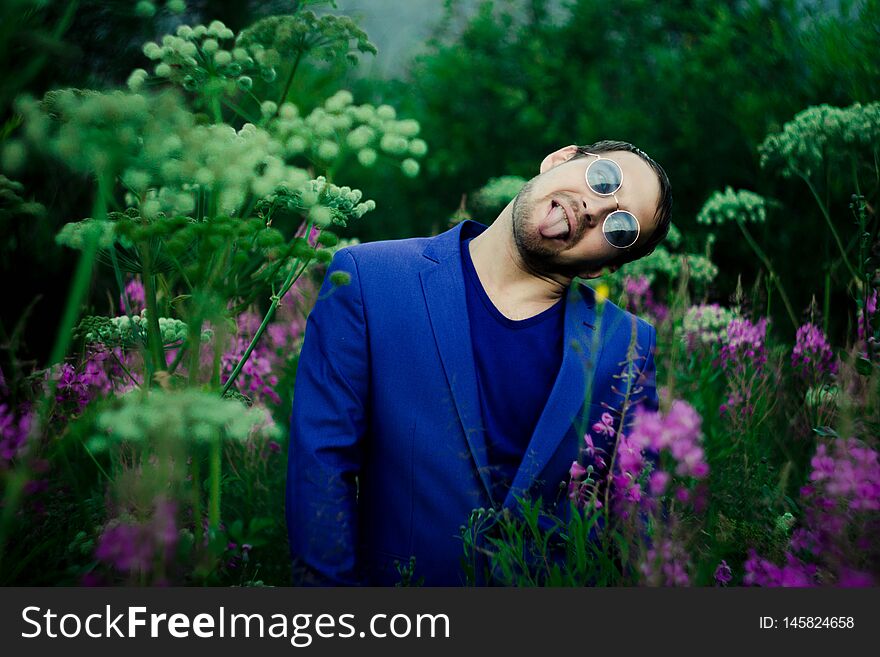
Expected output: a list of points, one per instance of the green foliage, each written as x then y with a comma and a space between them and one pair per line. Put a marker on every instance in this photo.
180, 416
823, 136
728, 205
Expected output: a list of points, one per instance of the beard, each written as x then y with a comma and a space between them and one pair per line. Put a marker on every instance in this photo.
539, 255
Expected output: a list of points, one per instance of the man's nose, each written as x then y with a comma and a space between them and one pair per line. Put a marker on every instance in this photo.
596, 208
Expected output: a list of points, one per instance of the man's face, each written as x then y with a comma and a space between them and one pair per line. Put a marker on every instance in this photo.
583, 251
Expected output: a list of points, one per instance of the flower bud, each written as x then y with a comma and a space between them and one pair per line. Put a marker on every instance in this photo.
386, 112
418, 147
367, 157
145, 9
410, 167
339, 277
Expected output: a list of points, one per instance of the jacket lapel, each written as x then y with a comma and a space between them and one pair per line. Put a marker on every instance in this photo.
443, 287
568, 397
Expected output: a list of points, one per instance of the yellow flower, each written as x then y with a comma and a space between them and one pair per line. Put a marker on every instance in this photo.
601, 292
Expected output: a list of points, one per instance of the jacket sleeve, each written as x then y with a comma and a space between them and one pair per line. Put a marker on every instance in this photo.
327, 429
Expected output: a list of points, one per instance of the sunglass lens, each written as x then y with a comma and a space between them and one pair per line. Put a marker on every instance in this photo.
621, 229
604, 176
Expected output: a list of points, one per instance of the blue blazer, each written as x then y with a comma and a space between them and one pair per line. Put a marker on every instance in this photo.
387, 452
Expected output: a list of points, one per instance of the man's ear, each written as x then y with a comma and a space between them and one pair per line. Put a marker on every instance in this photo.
558, 157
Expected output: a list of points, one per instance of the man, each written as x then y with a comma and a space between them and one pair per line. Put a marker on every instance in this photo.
460, 371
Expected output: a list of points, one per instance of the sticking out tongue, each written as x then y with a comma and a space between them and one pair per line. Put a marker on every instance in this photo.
555, 225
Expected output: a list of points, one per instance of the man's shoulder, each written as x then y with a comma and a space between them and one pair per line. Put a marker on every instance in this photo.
387, 255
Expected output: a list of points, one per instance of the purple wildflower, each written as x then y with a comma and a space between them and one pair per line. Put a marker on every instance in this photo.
723, 574
132, 546
14, 431
677, 432
812, 357
851, 474
578, 489
657, 482
122, 547
870, 311
761, 572
640, 298
137, 297
92, 380
851, 579
256, 379
745, 344
667, 564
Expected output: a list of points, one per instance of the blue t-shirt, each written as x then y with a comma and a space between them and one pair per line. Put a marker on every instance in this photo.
517, 362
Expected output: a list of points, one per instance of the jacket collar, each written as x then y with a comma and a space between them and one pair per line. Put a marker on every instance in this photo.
443, 285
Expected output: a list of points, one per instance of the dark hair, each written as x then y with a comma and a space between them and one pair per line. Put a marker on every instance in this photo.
663, 215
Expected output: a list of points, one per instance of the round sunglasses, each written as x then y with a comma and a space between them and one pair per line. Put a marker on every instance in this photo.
620, 228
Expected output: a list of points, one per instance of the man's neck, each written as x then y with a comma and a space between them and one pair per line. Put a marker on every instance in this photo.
512, 287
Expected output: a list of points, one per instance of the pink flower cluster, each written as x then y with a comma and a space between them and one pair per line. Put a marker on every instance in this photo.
133, 546
14, 431
678, 432
851, 474
667, 565
745, 344
94, 378
137, 297
761, 572
257, 379
870, 311
640, 298
723, 574
812, 357
845, 484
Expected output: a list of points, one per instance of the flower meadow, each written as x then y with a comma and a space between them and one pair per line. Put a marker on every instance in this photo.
151, 448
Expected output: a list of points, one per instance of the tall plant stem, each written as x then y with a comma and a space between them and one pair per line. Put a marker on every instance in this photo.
154, 333
81, 278
120, 282
214, 471
78, 288
826, 302
276, 299
630, 375
196, 500
830, 223
289, 82
764, 259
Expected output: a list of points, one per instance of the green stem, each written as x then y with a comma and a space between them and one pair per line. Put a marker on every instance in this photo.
92, 456
288, 83
764, 259
78, 289
288, 282
120, 282
826, 304
828, 221
215, 107
240, 112
214, 485
195, 341
197, 502
81, 279
630, 375
179, 357
156, 361
124, 368
15, 482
